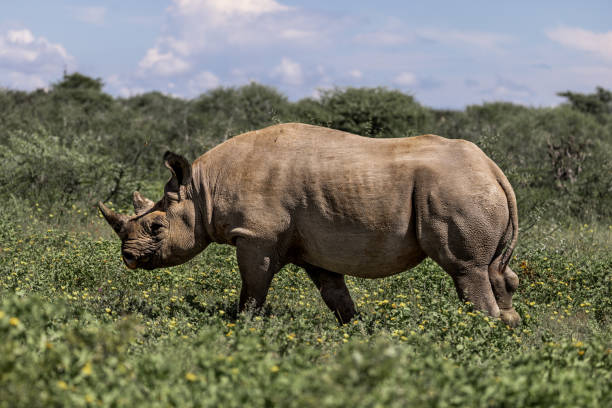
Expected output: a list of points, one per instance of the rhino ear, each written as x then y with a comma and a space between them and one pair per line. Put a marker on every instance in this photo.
181, 174
179, 166
141, 204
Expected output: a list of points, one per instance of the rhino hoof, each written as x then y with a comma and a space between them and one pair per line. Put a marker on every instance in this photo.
510, 317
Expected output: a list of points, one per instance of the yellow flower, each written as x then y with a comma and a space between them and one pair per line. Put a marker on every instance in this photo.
13, 321
191, 376
274, 368
62, 384
86, 370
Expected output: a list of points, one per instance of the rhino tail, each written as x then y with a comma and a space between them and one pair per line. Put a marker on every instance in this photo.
505, 248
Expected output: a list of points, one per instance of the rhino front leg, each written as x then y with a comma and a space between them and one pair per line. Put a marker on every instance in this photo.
258, 264
334, 292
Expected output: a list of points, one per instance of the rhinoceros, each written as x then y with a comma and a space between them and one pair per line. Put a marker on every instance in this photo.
335, 204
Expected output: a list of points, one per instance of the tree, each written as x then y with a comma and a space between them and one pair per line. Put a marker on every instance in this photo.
375, 112
598, 103
79, 81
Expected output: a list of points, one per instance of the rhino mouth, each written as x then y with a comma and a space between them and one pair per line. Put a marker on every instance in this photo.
131, 263
143, 262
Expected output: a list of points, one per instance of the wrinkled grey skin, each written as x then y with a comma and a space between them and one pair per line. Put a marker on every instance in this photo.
335, 204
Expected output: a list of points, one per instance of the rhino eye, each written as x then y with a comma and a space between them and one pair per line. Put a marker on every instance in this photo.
156, 226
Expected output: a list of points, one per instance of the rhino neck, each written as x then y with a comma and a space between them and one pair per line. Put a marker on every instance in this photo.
203, 187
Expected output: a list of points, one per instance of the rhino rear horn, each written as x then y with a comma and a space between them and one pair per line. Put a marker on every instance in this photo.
141, 204
114, 219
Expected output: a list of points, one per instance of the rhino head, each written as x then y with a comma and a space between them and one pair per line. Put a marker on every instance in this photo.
166, 233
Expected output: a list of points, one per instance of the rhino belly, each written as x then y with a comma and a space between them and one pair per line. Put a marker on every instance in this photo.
363, 253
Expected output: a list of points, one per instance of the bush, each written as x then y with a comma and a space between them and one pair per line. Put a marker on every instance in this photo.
39, 168
374, 112
80, 329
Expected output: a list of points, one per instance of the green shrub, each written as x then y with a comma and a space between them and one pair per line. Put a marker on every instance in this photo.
39, 168
78, 328
374, 112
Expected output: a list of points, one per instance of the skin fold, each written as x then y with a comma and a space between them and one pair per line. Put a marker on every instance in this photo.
335, 204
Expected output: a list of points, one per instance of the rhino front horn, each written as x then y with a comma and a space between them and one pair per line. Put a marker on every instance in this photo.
114, 219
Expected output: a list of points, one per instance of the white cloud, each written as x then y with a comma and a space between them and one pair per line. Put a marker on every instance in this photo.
29, 62
585, 40
163, 64
20, 80
355, 74
92, 15
21, 47
20, 37
221, 10
200, 27
208, 24
113, 80
202, 82
289, 71
121, 87
128, 92
405, 79
182, 47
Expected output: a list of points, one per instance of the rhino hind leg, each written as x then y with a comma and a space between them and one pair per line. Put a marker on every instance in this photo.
258, 265
504, 285
464, 240
473, 286
334, 292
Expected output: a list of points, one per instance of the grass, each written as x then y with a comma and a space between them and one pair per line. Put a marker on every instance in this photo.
80, 329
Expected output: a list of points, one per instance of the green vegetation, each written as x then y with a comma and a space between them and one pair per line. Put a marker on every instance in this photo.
79, 329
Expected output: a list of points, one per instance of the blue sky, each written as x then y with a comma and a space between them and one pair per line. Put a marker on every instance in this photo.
448, 54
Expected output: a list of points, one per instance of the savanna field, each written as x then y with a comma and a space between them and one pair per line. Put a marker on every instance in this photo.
80, 329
